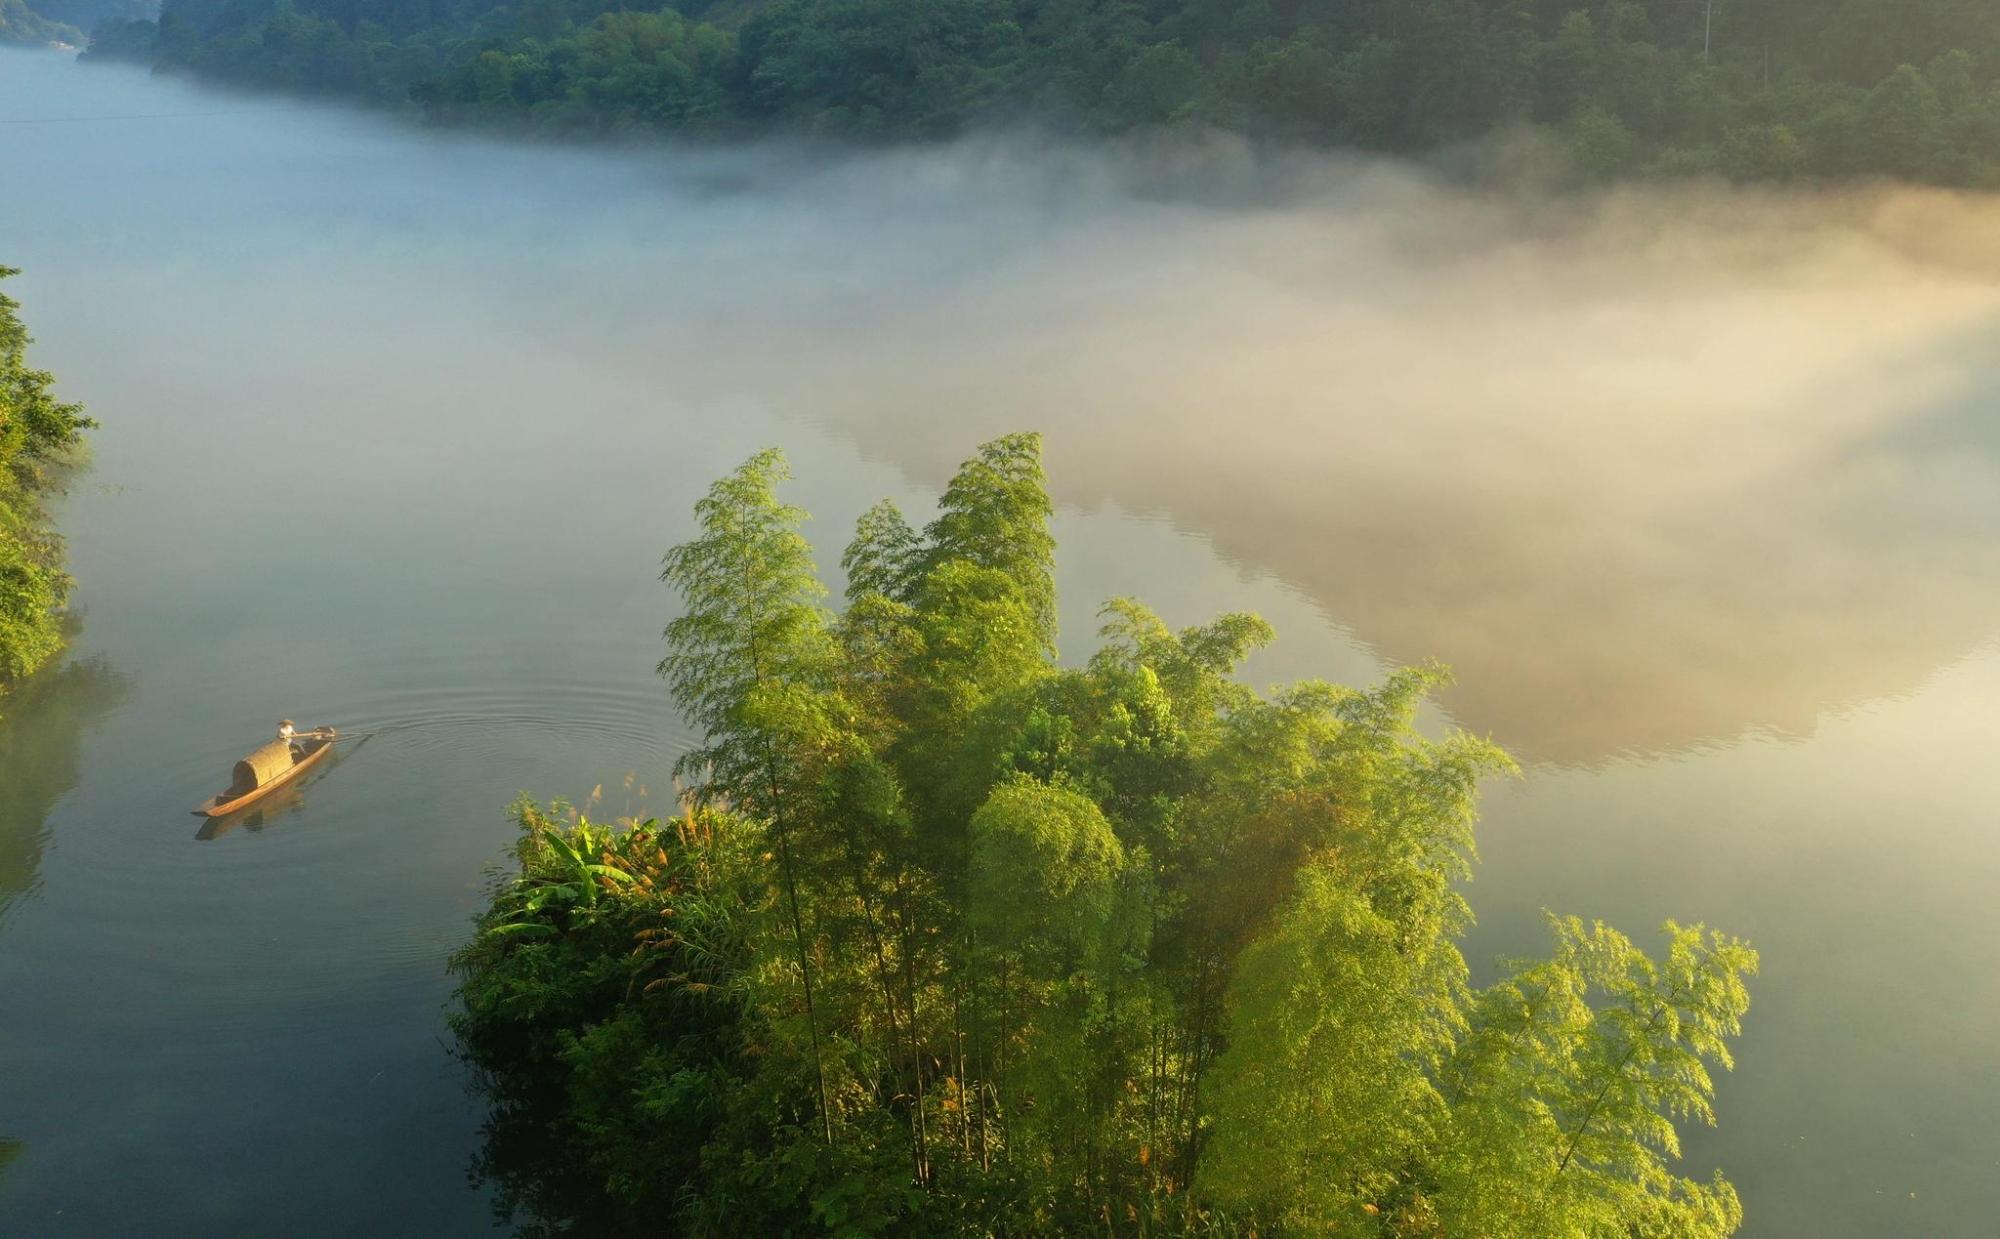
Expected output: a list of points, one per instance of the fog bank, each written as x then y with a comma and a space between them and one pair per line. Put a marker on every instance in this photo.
1648, 467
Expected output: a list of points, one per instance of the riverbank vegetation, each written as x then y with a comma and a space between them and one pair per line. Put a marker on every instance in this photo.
952, 939
39, 435
1753, 89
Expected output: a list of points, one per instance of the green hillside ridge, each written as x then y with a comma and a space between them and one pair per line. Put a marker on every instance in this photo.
1753, 90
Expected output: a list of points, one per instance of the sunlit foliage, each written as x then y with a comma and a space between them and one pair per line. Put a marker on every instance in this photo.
953, 939
38, 435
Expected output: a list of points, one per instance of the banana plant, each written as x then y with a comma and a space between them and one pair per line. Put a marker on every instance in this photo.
568, 885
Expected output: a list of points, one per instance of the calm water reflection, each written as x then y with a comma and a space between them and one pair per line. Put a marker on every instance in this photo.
1697, 494
46, 720
39, 764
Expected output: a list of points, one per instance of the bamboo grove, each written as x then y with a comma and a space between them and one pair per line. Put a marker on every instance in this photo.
952, 939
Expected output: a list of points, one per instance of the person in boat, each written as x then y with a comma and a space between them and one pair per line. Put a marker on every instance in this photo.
290, 736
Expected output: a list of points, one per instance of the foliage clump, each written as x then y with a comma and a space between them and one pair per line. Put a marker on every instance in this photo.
38, 435
953, 939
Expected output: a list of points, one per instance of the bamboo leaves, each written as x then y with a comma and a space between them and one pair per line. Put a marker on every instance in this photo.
956, 940
1566, 1091
750, 663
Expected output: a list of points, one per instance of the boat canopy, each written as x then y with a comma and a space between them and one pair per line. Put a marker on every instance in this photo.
261, 766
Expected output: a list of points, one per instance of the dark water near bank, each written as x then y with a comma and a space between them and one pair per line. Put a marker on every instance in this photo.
1697, 494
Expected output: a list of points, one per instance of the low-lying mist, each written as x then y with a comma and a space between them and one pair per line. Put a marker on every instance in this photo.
1647, 467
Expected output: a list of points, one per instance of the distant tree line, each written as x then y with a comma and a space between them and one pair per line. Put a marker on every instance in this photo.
950, 939
48, 23
21, 26
38, 435
1753, 89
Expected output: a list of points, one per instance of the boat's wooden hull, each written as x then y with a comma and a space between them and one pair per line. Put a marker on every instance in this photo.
316, 749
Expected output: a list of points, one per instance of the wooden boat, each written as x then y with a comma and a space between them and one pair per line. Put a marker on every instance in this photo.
267, 769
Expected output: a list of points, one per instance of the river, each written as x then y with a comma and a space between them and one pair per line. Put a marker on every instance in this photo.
1695, 490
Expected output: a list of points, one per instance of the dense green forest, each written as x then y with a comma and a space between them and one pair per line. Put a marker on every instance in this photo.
38, 435
1753, 89
950, 939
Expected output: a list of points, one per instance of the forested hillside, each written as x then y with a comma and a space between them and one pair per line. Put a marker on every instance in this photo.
950, 939
1747, 88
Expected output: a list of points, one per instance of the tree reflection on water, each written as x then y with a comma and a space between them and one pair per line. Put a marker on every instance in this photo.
41, 742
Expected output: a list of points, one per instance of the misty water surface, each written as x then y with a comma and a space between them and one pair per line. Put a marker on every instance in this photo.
1696, 491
